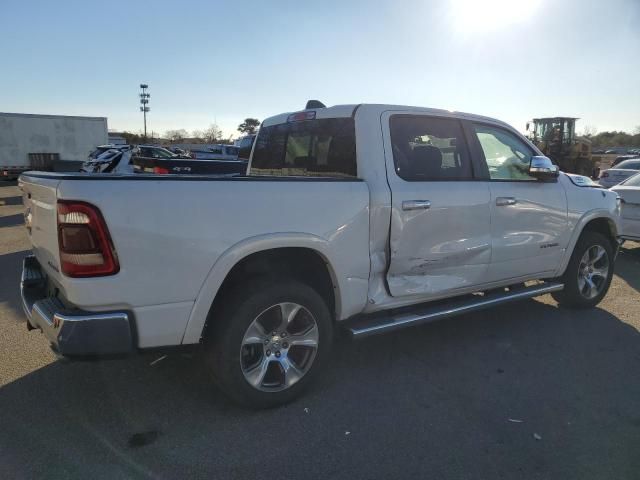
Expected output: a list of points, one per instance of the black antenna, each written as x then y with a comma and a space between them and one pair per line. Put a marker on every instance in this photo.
314, 104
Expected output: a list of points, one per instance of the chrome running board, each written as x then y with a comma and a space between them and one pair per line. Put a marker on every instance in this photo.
366, 325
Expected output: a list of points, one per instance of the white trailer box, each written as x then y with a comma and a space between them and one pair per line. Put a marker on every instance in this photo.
36, 142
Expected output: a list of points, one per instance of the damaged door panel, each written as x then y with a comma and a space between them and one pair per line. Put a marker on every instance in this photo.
440, 234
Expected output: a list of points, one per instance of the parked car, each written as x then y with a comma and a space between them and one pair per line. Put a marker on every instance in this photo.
109, 160
622, 158
153, 151
180, 152
434, 214
629, 192
216, 152
104, 148
622, 171
145, 159
188, 166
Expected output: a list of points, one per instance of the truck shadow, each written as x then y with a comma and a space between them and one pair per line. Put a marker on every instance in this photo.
7, 201
11, 220
10, 268
447, 387
628, 264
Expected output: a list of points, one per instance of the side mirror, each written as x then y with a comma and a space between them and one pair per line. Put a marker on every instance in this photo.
543, 168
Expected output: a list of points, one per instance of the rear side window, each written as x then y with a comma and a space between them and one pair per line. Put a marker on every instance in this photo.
320, 148
429, 148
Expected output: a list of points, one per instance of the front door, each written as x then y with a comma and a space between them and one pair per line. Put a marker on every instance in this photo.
440, 220
529, 223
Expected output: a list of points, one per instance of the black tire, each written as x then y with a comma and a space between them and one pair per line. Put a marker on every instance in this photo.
571, 295
230, 323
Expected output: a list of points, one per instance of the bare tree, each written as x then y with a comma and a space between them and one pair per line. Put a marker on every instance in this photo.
199, 135
176, 135
212, 134
589, 131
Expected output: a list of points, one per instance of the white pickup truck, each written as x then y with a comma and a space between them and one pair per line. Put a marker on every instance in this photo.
367, 217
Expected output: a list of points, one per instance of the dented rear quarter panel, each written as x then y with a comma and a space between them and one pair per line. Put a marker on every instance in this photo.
170, 235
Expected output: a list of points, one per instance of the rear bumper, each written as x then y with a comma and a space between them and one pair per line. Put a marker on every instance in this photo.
71, 331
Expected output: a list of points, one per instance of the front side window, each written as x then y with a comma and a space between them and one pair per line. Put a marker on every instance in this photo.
429, 148
507, 156
162, 153
320, 148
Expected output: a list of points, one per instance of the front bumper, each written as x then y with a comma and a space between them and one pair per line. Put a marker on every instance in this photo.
71, 331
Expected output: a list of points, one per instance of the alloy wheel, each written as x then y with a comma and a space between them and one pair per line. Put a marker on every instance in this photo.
279, 347
593, 271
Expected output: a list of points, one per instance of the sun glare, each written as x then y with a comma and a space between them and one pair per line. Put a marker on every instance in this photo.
475, 16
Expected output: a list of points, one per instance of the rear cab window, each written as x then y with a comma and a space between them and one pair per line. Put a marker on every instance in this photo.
313, 148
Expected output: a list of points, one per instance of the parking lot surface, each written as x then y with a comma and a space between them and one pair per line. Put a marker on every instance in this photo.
525, 391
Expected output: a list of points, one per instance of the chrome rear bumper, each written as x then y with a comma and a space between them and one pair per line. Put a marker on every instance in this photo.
71, 331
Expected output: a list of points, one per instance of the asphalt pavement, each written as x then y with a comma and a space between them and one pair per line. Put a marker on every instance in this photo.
526, 391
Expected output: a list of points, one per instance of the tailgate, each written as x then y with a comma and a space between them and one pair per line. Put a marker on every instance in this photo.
39, 197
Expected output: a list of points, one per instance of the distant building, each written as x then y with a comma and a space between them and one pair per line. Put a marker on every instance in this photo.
116, 138
45, 142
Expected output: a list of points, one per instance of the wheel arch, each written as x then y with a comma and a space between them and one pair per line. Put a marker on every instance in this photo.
595, 221
256, 255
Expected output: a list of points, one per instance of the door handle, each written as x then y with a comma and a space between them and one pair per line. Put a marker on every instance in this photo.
416, 205
504, 201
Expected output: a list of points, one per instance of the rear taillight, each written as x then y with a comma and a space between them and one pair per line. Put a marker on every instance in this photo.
86, 249
160, 170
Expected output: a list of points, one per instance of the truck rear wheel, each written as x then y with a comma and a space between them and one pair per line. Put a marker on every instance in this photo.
269, 341
589, 273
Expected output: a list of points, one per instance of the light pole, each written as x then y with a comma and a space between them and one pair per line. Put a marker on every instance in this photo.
144, 102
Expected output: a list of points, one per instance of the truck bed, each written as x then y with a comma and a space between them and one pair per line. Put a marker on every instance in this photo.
176, 236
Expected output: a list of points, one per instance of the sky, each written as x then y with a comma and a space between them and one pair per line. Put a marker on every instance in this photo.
213, 61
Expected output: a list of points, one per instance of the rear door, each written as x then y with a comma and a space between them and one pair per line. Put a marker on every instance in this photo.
440, 220
529, 223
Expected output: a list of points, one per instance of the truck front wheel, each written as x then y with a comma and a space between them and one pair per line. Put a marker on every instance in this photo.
268, 341
589, 273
